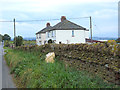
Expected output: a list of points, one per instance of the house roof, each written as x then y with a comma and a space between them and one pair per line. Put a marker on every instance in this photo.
45, 29
67, 25
63, 25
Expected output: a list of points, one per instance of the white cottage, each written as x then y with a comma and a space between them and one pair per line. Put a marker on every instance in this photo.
41, 35
65, 32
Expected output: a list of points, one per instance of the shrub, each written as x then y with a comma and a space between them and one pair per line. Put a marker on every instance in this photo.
19, 40
6, 37
111, 42
50, 41
6, 43
118, 40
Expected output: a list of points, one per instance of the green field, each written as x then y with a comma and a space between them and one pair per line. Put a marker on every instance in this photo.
31, 71
25, 42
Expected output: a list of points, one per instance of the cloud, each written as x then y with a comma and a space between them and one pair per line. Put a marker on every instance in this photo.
102, 13
44, 9
52, 1
42, 5
106, 13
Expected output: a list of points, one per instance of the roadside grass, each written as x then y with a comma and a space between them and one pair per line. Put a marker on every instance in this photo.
31, 71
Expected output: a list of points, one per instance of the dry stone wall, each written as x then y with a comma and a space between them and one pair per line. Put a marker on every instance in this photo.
102, 59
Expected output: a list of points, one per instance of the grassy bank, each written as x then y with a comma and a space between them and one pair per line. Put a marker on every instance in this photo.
31, 71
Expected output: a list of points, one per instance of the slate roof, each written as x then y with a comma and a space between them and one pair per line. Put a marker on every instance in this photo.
64, 25
45, 29
67, 25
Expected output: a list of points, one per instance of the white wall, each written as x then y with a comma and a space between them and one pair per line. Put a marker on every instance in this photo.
37, 39
87, 34
40, 38
43, 38
65, 36
53, 37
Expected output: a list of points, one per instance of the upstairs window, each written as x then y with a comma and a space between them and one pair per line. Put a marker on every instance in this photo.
39, 36
72, 33
48, 34
52, 33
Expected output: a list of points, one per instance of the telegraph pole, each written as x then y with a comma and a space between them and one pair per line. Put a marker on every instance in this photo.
14, 32
91, 28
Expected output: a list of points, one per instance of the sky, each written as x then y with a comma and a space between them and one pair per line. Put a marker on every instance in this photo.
104, 15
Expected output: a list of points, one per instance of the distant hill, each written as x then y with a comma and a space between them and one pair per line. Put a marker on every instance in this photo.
94, 38
28, 38
104, 38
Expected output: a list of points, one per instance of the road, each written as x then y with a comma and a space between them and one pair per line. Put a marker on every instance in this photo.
0, 66
7, 81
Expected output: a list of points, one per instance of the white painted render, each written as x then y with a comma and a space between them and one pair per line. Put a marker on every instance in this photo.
87, 34
41, 38
65, 36
51, 35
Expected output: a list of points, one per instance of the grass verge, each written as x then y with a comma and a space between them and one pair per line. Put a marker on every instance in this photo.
31, 71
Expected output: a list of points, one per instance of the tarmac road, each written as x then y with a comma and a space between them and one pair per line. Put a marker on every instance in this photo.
0, 66
7, 81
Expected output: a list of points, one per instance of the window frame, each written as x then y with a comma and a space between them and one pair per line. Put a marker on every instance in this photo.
73, 33
52, 34
48, 35
39, 36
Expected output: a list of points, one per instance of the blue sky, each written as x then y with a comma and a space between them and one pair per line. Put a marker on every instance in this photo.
104, 15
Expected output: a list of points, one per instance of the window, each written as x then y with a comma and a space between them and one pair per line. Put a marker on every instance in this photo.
39, 36
52, 33
72, 33
48, 34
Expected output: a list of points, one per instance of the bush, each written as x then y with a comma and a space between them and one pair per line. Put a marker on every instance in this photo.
118, 40
6, 43
111, 42
19, 40
50, 41
6, 37
1, 37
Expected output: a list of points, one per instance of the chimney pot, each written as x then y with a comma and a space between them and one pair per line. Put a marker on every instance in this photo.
48, 24
63, 18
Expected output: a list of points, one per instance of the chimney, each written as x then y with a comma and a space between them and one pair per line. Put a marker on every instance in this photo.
48, 24
63, 18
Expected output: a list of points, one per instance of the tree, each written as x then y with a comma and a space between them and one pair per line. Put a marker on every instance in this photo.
6, 37
19, 40
118, 40
50, 41
6, 43
1, 37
